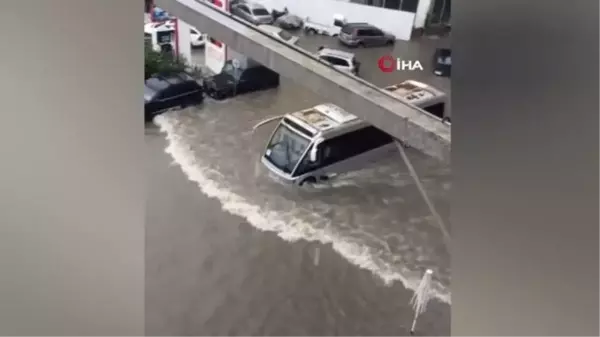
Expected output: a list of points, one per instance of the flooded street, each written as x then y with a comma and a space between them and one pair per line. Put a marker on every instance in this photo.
232, 252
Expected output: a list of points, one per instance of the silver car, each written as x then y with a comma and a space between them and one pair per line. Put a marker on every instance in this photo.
339, 59
364, 35
279, 33
252, 12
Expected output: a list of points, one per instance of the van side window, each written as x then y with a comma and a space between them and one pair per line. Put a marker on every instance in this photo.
351, 144
436, 109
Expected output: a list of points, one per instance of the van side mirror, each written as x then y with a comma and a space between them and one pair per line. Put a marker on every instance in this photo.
312, 155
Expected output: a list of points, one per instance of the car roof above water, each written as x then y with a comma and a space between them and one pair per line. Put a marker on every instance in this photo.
335, 53
159, 82
270, 28
416, 92
253, 5
159, 27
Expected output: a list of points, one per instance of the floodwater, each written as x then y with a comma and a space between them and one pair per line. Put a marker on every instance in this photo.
232, 252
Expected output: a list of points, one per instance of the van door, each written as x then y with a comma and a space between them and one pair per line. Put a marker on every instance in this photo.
352, 151
309, 169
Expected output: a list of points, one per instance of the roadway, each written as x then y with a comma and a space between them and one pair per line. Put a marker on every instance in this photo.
250, 259
379, 202
390, 114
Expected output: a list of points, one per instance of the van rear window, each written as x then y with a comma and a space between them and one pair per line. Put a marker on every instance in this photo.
436, 109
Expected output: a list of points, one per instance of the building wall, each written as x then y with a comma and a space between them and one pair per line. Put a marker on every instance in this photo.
184, 47
215, 55
422, 12
397, 22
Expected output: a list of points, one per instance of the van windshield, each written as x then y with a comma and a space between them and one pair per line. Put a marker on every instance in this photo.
286, 148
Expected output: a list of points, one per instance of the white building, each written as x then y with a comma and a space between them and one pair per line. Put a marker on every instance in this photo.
399, 17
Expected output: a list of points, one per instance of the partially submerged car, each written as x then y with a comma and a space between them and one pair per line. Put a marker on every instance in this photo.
167, 91
279, 33
432, 100
339, 59
361, 34
442, 62
239, 78
286, 20
252, 12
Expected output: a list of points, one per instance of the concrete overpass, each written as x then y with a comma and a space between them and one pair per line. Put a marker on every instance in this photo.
392, 115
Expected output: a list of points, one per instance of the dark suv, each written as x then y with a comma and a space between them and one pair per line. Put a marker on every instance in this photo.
442, 62
163, 92
363, 35
234, 80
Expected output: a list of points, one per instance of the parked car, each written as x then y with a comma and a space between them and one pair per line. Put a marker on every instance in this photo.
160, 36
442, 62
252, 12
286, 20
159, 14
312, 27
164, 92
235, 79
197, 39
279, 33
363, 35
339, 59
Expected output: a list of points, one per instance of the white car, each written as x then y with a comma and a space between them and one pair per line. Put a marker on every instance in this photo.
159, 35
339, 59
197, 39
312, 27
279, 33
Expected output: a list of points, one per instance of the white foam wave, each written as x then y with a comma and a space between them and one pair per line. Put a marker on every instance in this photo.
356, 253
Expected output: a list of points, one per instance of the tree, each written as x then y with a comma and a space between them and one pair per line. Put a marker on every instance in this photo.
159, 62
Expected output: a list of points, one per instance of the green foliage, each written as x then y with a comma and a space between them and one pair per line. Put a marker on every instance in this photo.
158, 62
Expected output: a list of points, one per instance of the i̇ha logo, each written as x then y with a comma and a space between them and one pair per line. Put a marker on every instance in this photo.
387, 64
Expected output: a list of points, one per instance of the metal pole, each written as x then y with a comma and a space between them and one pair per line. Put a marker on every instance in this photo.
176, 39
414, 324
430, 204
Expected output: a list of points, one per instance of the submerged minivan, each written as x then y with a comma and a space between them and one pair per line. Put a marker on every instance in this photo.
318, 143
313, 144
428, 98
